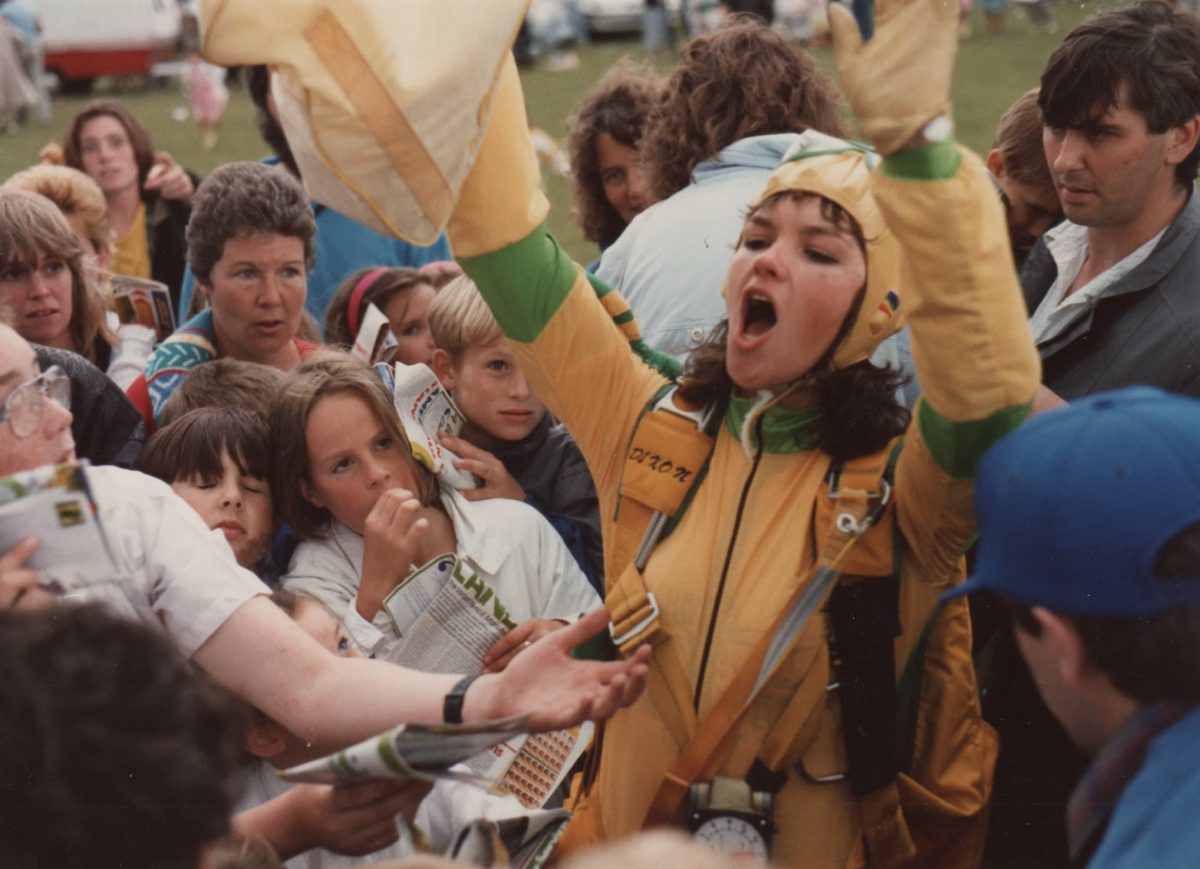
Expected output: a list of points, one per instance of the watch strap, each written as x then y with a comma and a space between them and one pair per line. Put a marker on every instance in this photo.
452, 705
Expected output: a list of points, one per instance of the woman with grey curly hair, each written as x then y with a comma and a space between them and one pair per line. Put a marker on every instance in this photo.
250, 245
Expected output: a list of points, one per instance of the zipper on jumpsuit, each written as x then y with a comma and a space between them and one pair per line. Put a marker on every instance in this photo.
737, 524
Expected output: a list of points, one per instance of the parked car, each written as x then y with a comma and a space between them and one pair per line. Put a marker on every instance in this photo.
84, 40
619, 16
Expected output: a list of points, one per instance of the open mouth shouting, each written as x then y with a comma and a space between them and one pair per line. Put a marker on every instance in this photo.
758, 317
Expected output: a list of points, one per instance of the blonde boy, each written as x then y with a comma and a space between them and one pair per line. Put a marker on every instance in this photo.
510, 441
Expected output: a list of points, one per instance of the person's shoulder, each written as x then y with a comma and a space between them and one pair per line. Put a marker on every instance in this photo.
500, 513
1153, 821
125, 483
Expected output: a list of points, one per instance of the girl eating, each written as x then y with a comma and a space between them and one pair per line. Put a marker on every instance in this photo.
368, 513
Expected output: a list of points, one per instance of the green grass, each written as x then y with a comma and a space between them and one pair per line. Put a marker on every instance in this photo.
992, 71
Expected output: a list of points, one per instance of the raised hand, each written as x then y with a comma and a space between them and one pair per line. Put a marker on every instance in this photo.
899, 80
169, 178
497, 482
390, 536
553, 689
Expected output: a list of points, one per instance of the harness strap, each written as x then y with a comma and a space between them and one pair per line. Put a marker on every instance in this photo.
856, 510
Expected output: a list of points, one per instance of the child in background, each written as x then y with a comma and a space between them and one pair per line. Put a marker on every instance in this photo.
402, 294
206, 86
217, 460
223, 382
367, 514
510, 441
311, 825
358, 819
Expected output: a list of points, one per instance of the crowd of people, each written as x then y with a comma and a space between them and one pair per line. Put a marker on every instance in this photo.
724, 486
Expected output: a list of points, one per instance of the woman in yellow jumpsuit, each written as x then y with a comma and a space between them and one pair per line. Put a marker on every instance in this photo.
841, 247
834, 253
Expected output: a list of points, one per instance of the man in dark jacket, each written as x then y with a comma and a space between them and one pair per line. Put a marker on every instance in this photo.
1112, 292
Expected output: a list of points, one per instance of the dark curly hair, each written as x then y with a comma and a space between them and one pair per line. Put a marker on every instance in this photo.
114, 753
742, 80
618, 105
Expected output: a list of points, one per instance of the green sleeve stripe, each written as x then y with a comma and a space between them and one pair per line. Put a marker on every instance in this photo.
932, 162
623, 318
599, 287
957, 447
525, 283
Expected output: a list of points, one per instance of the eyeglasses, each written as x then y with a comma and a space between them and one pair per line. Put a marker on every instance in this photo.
23, 406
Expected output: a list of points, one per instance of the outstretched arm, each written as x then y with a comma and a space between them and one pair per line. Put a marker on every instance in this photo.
262, 656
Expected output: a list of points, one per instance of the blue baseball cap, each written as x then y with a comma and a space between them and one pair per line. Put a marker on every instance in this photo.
1074, 506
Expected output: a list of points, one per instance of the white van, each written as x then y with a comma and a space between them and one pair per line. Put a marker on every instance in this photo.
83, 39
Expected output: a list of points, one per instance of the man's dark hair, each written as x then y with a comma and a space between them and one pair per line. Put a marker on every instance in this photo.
1149, 48
113, 751
1149, 658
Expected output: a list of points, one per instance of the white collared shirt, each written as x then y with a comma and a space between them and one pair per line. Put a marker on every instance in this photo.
1068, 244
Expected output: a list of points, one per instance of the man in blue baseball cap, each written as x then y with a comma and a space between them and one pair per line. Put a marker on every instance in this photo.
1089, 522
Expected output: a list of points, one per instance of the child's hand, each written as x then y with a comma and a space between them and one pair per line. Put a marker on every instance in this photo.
497, 482
169, 178
356, 819
19, 587
390, 537
516, 641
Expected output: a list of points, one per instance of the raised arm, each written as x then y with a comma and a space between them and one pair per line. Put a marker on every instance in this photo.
972, 349
576, 358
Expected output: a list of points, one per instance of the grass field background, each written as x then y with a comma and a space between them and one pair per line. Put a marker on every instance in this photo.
992, 71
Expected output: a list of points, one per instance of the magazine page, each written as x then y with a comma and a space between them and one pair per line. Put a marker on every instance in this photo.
426, 410
374, 340
532, 766
451, 635
142, 301
447, 621
411, 598
54, 504
425, 751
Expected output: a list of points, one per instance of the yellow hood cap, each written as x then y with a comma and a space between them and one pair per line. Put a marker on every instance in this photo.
841, 172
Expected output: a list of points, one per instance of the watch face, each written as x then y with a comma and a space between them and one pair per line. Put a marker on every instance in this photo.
735, 836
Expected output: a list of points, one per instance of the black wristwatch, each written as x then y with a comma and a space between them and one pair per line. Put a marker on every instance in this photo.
452, 706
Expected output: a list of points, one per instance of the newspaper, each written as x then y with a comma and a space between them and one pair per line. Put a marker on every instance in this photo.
448, 618
145, 302
374, 340
54, 504
426, 410
423, 751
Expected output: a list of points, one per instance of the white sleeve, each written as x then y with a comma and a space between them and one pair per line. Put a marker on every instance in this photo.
565, 591
129, 356
321, 569
175, 567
